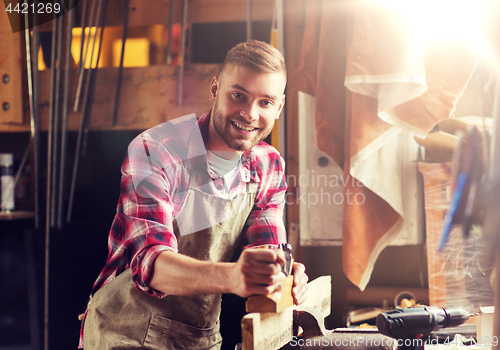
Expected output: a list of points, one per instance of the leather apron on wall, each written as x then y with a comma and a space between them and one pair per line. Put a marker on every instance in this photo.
122, 317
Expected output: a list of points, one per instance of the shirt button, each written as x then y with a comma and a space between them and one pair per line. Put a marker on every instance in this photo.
219, 187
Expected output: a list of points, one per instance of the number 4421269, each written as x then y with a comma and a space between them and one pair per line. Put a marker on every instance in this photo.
32, 8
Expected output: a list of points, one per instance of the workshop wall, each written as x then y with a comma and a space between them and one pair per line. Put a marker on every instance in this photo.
78, 252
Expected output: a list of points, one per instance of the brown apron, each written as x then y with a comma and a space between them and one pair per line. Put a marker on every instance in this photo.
122, 317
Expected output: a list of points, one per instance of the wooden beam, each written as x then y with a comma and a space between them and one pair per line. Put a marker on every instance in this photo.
11, 67
148, 96
208, 11
271, 331
150, 12
294, 30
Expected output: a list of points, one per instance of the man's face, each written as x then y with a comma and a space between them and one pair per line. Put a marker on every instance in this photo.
246, 104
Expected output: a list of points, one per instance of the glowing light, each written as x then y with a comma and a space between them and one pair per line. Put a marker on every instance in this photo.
430, 20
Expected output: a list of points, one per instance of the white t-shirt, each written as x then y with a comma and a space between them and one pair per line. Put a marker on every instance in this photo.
225, 168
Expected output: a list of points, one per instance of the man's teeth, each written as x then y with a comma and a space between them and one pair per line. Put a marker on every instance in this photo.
243, 127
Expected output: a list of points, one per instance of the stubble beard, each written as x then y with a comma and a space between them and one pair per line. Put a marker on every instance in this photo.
224, 133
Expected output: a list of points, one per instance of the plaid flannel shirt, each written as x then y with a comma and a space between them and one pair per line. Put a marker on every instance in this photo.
155, 177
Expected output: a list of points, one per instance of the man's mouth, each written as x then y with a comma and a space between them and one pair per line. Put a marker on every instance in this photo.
244, 128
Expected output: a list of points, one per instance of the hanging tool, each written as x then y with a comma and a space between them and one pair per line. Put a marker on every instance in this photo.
65, 107
120, 68
182, 53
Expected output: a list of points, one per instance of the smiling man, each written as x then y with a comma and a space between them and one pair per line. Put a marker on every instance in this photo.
193, 192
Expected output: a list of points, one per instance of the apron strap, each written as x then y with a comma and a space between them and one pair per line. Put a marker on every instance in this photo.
251, 187
193, 178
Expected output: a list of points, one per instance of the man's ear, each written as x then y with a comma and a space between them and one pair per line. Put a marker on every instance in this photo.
281, 107
214, 86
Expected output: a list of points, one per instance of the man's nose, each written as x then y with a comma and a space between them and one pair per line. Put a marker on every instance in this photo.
250, 112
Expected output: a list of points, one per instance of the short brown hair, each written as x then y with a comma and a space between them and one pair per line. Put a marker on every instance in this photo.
256, 55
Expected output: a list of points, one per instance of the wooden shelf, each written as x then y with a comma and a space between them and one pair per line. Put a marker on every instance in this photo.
16, 215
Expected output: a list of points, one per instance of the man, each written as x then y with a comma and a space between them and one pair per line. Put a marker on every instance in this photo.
192, 192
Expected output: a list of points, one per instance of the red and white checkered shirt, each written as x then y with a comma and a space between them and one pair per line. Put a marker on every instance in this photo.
155, 177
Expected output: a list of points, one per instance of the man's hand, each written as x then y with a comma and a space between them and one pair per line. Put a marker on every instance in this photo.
299, 283
257, 271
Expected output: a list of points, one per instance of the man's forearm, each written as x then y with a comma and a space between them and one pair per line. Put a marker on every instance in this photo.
257, 271
177, 274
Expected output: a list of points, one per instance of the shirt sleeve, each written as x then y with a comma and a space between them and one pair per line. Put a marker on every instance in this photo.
265, 223
143, 225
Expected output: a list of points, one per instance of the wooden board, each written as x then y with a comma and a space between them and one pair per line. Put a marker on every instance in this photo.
270, 331
148, 96
11, 65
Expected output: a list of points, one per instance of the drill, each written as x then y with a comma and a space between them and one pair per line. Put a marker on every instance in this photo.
409, 324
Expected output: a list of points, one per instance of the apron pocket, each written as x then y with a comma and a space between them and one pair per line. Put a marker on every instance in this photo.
164, 333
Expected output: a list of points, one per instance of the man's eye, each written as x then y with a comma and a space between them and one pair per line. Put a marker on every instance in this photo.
267, 103
237, 95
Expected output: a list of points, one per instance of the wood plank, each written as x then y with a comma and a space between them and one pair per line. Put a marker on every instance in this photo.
269, 331
148, 96
266, 330
11, 66
319, 295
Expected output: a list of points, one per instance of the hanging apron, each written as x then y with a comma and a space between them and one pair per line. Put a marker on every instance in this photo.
122, 317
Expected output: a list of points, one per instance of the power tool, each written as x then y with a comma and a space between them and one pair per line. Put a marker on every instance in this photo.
412, 326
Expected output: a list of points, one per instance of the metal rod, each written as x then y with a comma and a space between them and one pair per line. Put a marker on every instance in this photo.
90, 100
81, 73
32, 78
32, 45
80, 136
49, 176
32, 290
88, 83
120, 68
180, 85
55, 123
82, 38
57, 119
29, 73
64, 122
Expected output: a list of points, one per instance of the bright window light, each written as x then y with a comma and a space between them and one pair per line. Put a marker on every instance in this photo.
430, 20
